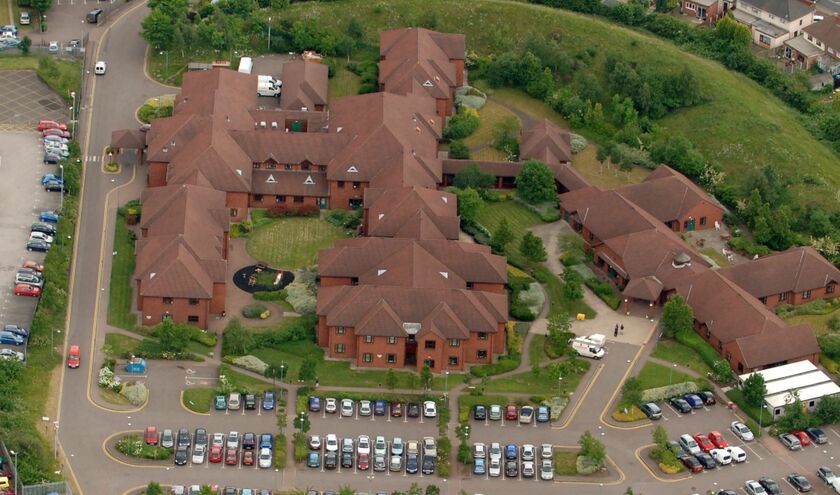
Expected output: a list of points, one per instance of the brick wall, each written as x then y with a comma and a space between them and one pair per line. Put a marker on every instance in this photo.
157, 174
180, 310
237, 201
340, 196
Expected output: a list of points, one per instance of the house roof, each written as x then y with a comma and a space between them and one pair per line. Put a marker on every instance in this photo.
281, 147
777, 344
795, 270
827, 31
646, 288
290, 183
607, 214
789, 10
804, 47
667, 194
758, 24
546, 142
304, 85
418, 61
128, 138
414, 212
171, 209
438, 263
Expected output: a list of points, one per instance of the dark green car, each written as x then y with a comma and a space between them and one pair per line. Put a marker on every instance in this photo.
220, 403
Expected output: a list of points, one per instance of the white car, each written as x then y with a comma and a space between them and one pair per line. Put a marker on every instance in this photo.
25, 18
380, 446
347, 408
495, 451
429, 447
753, 487
315, 442
737, 453
547, 451
479, 451
529, 453
526, 415
53, 47
265, 458
331, 405
528, 470
41, 237
742, 431
546, 470
99, 68
721, 456
233, 440
429, 409
495, 468
198, 454
218, 440
397, 446
11, 355
363, 447
364, 408
331, 443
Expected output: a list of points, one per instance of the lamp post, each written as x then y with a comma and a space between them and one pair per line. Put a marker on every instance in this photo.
269, 34
16, 470
61, 204
560, 386
671, 374
446, 383
166, 67
55, 440
73, 115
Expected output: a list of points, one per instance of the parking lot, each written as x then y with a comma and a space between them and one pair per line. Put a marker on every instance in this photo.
21, 169
24, 101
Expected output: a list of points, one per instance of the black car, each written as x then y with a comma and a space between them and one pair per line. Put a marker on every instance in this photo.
183, 437
479, 412
511, 469
249, 441
200, 437
428, 464
707, 461
330, 460
411, 464
817, 435
771, 486
250, 401
346, 460
681, 405
412, 410
799, 482
181, 455
707, 397
95, 16
229, 490
43, 227
51, 159
727, 492
54, 186
37, 245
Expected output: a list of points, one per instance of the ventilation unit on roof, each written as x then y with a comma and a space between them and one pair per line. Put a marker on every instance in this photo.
271, 179
381, 272
262, 124
445, 199
437, 79
274, 125
152, 275
352, 169
444, 274
411, 328
304, 109
338, 129
381, 216
256, 124
165, 149
309, 180
239, 171
173, 144
227, 118
417, 130
428, 84
431, 121
681, 260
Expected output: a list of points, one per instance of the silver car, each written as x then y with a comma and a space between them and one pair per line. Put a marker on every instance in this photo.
167, 439
396, 464
347, 408
198, 454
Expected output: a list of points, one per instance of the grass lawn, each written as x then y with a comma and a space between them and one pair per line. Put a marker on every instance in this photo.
61, 75
199, 399
489, 154
716, 256
655, 375
491, 114
519, 218
18, 62
558, 301
565, 463
292, 242
118, 345
338, 373
536, 350
466, 403
4, 14
344, 82
112, 397
739, 124
168, 67
755, 413
818, 322
243, 382
675, 352
606, 176
527, 383
122, 269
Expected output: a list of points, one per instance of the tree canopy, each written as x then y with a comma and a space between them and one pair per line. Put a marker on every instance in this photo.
535, 182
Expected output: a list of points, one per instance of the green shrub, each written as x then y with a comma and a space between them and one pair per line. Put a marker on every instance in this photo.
464, 453
301, 446
271, 295
344, 218
744, 245
662, 393
461, 125
253, 310
458, 150
444, 448
829, 364
134, 446
503, 365
606, 291
521, 311
585, 465
706, 351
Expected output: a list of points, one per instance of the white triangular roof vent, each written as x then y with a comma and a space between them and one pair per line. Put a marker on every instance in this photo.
444, 274
428, 83
445, 199
411, 328
353, 169
338, 129
152, 275
239, 171
381, 216
271, 179
309, 180
381, 272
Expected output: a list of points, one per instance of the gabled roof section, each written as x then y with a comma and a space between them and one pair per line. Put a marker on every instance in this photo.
418, 61
414, 212
443, 322
546, 142
304, 85
795, 270
166, 267
827, 31
218, 157
262, 145
788, 10
176, 209
778, 344
290, 183
667, 194
606, 213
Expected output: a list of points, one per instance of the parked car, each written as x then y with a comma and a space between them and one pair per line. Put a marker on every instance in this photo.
184, 438
315, 442
331, 443
45, 228
232, 456
717, 439
198, 454
707, 397
817, 435
48, 216
495, 451
495, 469
346, 460
33, 265
526, 415
546, 451
48, 177
330, 405
53, 186
313, 460
267, 441
826, 474
218, 440
706, 460
803, 437
694, 401
347, 408
380, 446
770, 486
29, 278
363, 445
511, 414
365, 408
790, 441
234, 401
167, 439
528, 452
703, 441
742, 431
55, 138
546, 470
11, 355
479, 412
233, 440
51, 158
27, 290
314, 403
428, 465
799, 482
651, 410
50, 124
753, 487
150, 435
689, 444
511, 469
17, 330
396, 410
691, 463
511, 452
680, 405
220, 403
495, 413
379, 408
479, 450
479, 467
528, 469
249, 441
543, 414
41, 236
397, 446
429, 409
25, 18
181, 455
721, 456
265, 459
737, 453
250, 401
330, 460
395, 464
55, 132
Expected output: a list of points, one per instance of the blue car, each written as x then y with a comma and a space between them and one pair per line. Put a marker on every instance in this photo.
314, 403
543, 414
10, 338
379, 408
479, 467
511, 452
268, 401
266, 441
694, 400
314, 460
51, 178
48, 216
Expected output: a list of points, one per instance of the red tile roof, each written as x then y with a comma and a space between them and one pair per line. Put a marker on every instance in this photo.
795, 270
667, 194
417, 61
414, 212
304, 85
546, 142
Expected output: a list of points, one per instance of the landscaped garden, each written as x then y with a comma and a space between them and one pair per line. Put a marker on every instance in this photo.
292, 242
122, 270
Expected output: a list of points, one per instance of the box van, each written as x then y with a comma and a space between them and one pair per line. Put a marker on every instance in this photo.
836, 485
246, 64
95, 16
267, 89
99, 68
74, 357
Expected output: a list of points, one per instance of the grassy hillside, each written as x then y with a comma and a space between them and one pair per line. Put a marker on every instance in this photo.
740, 125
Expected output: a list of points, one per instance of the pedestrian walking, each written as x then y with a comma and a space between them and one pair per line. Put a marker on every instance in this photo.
615, 333
622, 329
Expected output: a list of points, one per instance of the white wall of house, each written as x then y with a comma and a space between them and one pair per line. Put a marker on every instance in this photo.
793, 28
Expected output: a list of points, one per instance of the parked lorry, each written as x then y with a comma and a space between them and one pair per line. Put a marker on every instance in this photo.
246, 64
591, 346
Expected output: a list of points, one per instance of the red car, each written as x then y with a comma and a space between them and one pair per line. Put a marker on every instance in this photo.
691, 463
396, 410
364, 462
151, 435
27, 290
232, 457
717, 439
50, 124
74, 357
704, 442
803, 437
56, 132
33, 265
248, 458
215, 454
511, 414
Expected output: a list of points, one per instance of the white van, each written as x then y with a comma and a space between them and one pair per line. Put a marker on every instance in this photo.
99, 68
836, 485
267, 89
591, 347
246, 64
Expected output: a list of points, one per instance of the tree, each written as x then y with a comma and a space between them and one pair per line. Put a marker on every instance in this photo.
414, 489
426, 377
535, 182
574, 284
501, 236
828, 410
42, 6
532, 248
391, 379
472, 176
660, 436
795, 417
236, 340
25, 43
754, 390
308, 369
677, 316
459, 151
723, 372
469, 204
412, 380
346, 490
592, 448
158, 30
172, 338
153, 488
631, 391
206, 490
355, 29
559, 332
432, 490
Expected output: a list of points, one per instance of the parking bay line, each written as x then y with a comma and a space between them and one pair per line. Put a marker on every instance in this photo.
753, 451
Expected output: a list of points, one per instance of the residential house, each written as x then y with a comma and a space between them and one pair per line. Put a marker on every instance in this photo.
797, 276
705, 11
819, 44
304, 86
412, 212
772, 22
